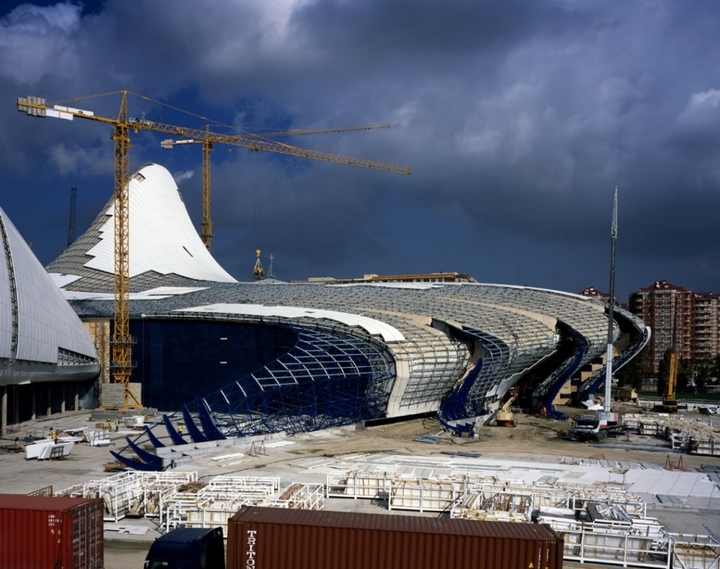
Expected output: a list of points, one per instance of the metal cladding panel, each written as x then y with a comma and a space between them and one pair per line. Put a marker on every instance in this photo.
42, 532
298, 539
5, 300
45, 319
162, 236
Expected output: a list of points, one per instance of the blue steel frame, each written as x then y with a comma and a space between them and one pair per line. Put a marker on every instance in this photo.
544, 394
328, 378
640, 338
468, 399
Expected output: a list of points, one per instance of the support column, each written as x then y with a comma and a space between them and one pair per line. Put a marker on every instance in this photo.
48, 413
33, 415
3, 409
76, 399
62, 403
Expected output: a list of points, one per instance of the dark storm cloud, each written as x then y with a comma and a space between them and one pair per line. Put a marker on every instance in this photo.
517, 117
423, 32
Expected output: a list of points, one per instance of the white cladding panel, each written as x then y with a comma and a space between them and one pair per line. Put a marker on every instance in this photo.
46, 321
370, 325
5, 301
162, 236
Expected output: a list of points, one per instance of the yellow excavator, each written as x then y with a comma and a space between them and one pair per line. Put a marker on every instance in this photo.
669, 403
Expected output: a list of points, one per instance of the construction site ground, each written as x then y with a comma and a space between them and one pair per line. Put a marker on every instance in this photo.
533, 439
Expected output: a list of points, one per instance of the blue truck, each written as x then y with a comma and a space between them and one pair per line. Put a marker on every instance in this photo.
188, 548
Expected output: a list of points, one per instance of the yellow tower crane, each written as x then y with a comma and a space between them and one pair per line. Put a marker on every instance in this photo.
208, 142
122, 125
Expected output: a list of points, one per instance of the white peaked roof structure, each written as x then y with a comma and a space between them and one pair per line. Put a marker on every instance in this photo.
41, 337
163, 240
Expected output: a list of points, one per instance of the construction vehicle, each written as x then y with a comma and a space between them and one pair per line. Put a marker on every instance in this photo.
505, 417
188, 548
669, 403
597, 427
626, 394
123, 124
605, 423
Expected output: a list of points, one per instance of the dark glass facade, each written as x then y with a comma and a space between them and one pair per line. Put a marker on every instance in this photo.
180, 360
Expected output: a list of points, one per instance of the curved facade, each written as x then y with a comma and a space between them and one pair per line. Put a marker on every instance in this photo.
41, 337
163, 242
246, 358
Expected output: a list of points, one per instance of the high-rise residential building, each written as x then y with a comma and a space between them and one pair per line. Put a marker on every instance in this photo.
707, 325
669, 310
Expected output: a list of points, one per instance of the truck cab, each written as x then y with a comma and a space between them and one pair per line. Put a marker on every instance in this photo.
595, 428
188, 548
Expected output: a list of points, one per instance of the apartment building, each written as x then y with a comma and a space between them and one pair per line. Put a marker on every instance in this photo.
707, 325
670, 311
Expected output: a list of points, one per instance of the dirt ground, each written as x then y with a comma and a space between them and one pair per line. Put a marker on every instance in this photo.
533, 437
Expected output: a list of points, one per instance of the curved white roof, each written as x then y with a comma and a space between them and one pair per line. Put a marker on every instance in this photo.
372, 326
163, 239
36, 321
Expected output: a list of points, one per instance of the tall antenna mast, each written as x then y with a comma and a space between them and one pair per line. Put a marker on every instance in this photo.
611, 304
271, 275
71, 223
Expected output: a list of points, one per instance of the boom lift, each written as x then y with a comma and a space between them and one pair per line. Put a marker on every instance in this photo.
123, 124
505, 417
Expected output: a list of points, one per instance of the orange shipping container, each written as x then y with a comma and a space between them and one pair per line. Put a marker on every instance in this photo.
44, 532
271, 538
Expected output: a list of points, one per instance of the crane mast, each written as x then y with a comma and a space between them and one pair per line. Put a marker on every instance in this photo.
121, 339
611, 304
207, 231
121, 366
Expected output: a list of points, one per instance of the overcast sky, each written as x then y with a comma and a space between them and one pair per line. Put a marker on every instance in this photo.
518, 119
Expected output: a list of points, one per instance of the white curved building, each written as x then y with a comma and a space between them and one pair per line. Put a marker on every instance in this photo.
42, 340
245, 358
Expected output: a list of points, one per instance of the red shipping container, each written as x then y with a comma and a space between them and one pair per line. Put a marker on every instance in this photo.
45, 532
273, 538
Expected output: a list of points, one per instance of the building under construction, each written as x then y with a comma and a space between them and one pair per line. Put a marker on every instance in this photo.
267, 356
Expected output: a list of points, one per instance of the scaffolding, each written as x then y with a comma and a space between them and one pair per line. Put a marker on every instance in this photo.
599, 523
214, 503
131, 493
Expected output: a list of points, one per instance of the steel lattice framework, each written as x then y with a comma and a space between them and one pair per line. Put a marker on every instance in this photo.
327, 379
